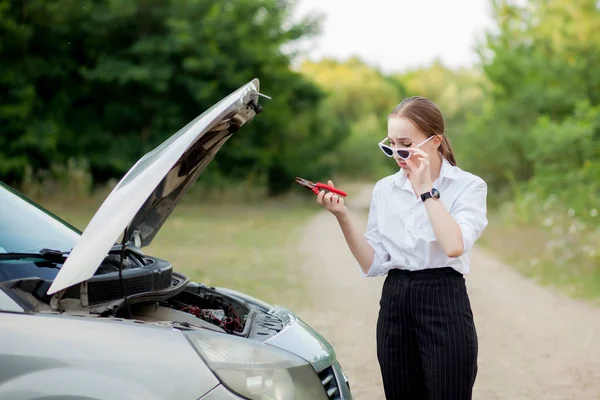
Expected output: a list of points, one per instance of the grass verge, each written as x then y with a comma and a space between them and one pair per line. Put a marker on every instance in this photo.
552, 252
246, 247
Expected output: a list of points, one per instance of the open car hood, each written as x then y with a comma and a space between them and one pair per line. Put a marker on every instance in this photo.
148, 193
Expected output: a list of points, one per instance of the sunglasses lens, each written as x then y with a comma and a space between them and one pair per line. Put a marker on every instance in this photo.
387, 150
404, 153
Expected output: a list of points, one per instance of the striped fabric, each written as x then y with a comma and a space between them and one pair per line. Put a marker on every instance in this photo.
426, 337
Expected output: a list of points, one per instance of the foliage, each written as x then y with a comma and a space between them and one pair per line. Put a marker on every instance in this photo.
457, 92
459, 95
103, 82
359, 99
541, 62
109, 80
565, 158
538, 139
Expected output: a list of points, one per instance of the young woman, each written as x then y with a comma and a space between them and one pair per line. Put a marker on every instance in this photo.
422, 224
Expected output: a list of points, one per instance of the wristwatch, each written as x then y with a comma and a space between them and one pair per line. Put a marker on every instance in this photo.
433, 193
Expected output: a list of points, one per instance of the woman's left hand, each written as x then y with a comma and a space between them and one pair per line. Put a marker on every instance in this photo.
419, 175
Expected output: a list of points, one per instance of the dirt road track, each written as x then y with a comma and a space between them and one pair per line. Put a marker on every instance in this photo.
533, 343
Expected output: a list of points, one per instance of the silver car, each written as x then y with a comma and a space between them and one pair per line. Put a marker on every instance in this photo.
90, 316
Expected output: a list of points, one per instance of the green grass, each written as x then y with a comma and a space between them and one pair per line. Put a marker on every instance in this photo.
245, 247
561, 266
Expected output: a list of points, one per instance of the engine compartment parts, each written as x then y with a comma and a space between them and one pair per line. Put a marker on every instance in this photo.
156, 313
201, 306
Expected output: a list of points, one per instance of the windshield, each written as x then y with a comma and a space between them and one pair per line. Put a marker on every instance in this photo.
26, 227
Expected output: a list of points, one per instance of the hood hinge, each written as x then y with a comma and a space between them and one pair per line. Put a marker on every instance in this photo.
137, 240
55, 300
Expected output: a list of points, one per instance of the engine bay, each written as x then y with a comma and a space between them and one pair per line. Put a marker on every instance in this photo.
205, 308
191, 306
147, 290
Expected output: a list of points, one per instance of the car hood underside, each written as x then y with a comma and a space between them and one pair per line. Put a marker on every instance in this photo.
148, 193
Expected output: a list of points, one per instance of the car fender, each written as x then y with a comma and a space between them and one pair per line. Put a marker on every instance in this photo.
46, 355
71, 383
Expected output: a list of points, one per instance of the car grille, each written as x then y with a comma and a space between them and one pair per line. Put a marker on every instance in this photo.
330, 383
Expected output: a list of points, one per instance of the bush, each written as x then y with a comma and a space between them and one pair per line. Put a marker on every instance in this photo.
70, 180
359, 156
565, 157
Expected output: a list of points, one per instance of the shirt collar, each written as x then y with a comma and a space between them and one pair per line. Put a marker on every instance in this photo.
447, 171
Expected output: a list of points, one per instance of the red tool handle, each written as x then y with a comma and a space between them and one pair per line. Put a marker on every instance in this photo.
320, 185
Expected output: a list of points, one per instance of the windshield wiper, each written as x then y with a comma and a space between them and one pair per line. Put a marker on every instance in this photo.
51, 254
46, 254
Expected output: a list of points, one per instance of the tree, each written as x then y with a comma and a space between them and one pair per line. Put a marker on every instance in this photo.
109, 80
540, 62
458, 93
359, 99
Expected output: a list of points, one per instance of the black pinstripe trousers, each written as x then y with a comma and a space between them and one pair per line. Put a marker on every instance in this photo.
426, 338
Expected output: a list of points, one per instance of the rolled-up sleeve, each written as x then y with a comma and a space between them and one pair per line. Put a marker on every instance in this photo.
374, 238
470, 212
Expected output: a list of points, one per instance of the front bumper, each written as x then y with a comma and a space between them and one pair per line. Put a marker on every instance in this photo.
220, 393
300, 339
332, 378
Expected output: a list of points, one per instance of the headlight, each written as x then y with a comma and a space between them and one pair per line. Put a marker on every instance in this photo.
255, 370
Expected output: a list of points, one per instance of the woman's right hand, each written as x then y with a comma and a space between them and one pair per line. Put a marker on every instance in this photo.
332, 202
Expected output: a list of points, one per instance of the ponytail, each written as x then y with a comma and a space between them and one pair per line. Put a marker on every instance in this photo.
446, 150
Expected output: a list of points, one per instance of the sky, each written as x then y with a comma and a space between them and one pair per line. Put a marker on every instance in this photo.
396, 35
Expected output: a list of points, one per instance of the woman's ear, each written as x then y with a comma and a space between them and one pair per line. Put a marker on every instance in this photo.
438, 140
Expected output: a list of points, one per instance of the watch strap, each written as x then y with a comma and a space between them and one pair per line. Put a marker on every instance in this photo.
433, 193
426, 196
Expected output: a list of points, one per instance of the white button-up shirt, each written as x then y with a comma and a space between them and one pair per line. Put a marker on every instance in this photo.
399, 228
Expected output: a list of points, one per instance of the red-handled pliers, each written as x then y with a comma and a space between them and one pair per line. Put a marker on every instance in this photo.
316, 187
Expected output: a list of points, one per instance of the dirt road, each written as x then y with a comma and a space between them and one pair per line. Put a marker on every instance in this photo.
533, 343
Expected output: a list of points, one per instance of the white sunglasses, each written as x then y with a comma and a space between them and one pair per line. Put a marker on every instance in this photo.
402, 153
